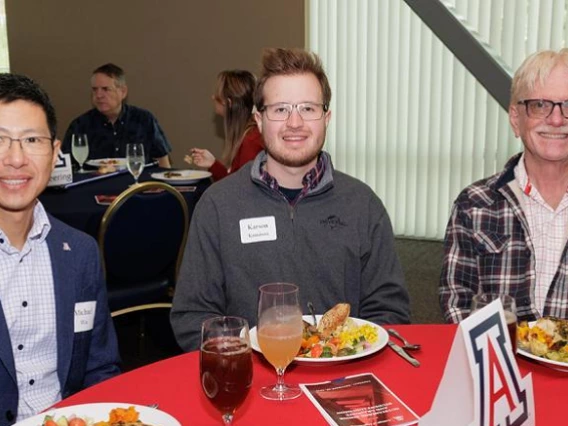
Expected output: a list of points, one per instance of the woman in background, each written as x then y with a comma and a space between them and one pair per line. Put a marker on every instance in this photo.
233, 101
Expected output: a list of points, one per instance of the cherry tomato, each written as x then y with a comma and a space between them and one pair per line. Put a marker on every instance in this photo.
50, 423
77, 422
316, 351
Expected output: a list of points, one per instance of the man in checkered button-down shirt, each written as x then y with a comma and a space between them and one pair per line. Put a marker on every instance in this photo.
56, 334
507, 233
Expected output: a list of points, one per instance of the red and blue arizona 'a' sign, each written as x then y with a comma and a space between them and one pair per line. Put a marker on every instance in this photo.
482, 385
501, 395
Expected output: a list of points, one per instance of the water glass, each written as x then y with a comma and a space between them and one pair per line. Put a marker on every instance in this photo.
279, 333
225, 362
80, 149
509, 306
135, 160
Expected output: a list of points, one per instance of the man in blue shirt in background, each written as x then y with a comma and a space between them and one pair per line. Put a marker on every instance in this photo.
112, 124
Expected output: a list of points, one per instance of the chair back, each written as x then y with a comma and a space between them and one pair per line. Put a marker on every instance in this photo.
142, 238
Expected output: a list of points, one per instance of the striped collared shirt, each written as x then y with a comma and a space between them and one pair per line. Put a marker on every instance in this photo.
548, 232
28, 301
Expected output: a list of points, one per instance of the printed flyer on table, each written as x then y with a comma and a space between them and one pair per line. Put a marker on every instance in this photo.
361, 400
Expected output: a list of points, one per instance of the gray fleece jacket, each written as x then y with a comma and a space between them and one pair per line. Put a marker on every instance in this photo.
336, 244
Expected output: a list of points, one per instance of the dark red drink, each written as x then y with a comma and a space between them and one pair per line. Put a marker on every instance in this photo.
511, 320
226, 372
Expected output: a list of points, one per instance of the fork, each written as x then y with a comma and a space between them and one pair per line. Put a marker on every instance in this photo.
406, 345
313, 312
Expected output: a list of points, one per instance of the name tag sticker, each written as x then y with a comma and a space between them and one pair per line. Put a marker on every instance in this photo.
85, 316
257, 229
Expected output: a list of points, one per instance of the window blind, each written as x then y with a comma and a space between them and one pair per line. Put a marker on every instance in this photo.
407, 117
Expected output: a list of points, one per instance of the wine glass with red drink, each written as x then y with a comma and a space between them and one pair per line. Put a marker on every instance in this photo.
225, 363
509, 307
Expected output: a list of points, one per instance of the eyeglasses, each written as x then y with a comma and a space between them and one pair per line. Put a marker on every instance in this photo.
282, 111
32, 145
542, 108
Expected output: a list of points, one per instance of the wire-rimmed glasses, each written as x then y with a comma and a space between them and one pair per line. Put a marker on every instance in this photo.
282, 111
32, 145
542, 108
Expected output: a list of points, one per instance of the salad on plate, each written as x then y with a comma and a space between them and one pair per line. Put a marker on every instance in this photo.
336, 335
117, 417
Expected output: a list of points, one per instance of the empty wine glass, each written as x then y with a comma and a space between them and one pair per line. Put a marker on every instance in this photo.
225, 362
135, 160
279, 334
80, 150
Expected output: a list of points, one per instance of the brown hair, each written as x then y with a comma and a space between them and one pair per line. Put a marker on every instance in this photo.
278, 61
235, 90
112, 71
534, 70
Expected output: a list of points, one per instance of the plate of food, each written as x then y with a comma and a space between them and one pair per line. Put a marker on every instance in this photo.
181, 177
545, 341
336, 338
117, 163
101, 414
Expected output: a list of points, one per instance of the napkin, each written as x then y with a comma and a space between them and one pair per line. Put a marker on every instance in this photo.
104, 200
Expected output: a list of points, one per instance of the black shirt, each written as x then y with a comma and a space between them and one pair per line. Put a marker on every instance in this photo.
134, 125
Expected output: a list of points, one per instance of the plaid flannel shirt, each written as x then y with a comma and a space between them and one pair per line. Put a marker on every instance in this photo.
488, 250
310, 180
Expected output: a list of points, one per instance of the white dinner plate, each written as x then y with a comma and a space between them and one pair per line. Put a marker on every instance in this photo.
100, 412
118, 163
555, 365
382, 339
181, 177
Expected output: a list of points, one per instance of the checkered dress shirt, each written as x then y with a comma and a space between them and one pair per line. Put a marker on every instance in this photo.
548, 230
309, 181
28, 301
488, 248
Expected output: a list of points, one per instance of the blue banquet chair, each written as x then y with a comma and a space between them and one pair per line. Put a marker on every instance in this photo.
142, 238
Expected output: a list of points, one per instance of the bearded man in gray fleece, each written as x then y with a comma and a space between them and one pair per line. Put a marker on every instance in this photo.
288, 216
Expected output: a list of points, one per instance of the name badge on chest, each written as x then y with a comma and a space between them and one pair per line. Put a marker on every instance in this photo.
84, 316
257, 229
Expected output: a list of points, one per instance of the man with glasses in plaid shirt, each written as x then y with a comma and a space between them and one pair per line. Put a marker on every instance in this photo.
56, 334
507, 233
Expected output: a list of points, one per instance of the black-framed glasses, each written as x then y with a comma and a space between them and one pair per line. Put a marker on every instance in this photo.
32, 145
281, 111
542, 108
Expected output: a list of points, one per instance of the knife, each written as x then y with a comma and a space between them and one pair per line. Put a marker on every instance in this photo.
403, 354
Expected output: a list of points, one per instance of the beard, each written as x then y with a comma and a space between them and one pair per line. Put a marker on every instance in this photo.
300, 160
294, 158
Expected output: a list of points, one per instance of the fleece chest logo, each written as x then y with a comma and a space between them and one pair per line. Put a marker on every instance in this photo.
332, 222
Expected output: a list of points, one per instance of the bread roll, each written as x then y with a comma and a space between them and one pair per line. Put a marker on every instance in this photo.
333, 318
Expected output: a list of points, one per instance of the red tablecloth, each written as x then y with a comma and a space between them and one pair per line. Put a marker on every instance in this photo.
174, 384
